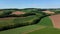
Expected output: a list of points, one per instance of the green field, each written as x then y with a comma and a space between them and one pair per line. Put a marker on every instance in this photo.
46, 21
17, 20
28, 28
21, 30
48, 30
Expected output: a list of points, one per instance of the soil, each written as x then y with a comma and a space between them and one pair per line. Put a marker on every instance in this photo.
56, 20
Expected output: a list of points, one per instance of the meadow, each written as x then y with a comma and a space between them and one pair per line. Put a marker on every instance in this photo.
29, 28
47, 30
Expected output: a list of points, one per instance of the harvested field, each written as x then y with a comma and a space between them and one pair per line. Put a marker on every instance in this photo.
18, 12
48, 12
56, 20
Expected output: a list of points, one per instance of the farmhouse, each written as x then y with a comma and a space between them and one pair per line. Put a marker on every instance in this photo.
48, 12
18, 12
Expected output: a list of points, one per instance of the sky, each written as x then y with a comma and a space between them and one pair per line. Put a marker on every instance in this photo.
29, 4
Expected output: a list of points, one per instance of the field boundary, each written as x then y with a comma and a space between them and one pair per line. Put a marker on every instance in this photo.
52, 21
26, 32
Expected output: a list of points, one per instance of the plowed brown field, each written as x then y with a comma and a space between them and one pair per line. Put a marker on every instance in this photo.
56, 20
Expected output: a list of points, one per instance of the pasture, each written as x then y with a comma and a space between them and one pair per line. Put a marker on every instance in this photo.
12, 22
48, 30
28, 29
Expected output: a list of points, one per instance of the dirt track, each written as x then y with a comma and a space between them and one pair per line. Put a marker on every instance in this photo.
56, 20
